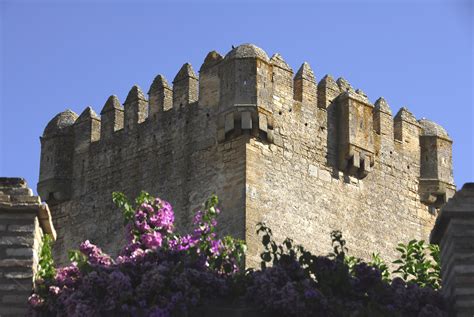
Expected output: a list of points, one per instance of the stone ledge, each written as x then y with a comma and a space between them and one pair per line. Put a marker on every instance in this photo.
461, 206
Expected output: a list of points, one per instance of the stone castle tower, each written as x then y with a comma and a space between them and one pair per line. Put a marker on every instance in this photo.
306, 157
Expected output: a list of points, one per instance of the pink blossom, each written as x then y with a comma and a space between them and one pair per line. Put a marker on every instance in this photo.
152, 240
35, 300
54, 290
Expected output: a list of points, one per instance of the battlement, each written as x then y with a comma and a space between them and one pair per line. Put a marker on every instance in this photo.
239, 97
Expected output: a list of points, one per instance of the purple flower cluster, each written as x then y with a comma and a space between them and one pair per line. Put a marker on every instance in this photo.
157, 273
94, 254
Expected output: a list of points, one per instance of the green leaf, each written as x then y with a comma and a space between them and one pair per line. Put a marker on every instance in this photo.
266, 240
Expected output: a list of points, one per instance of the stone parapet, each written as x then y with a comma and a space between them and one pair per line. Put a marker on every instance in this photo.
23, 222
454, 232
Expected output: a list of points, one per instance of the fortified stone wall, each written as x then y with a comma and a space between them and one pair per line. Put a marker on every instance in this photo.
303, 156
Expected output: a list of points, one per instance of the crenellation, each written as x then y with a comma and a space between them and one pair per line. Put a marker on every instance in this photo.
383, 127
135, 108
111, 117
305, 86
407, 131
327, 117
305, 157
209, 81
344, 85
282, 81
160, 96
185, 87
86, 129
328, 90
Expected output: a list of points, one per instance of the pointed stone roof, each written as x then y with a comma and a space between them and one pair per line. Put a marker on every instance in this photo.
343, 84
247, 51
111, 104
305, 72
405, 115
60, 122
430, 128
87, 115
212, 58
186, 71
328, 81
382, 106
278, 61
159, 84
135, 94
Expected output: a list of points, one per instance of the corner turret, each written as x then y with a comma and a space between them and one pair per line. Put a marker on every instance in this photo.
57, 148
246, 92
436, 174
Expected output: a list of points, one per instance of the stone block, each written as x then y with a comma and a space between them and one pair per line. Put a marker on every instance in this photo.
325, 176
262, 122
21, 228
15, 262
246, 120
313, 171
19, 275
229, 122
26, 199
20, 252
16, 240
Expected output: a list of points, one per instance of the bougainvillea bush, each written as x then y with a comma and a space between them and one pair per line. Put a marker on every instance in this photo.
161, 273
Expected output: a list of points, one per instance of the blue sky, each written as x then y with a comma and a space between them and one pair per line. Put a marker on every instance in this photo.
62, 54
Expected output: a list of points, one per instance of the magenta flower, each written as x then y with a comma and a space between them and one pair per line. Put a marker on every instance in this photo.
35, 301
152, 240
215, 247
142, 226
54, 290
94, 254
147, 208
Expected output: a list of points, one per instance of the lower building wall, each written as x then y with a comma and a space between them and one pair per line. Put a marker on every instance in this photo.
300, 199
185, 180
